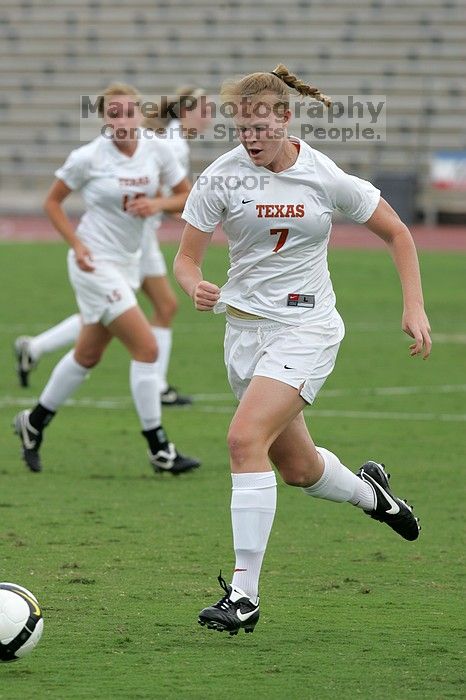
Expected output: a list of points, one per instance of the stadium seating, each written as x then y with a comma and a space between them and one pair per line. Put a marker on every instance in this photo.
413, 52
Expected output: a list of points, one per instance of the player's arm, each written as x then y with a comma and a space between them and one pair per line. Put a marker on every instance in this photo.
168, 205
386, 224
188, 271
174, 202
177, 199
58, 192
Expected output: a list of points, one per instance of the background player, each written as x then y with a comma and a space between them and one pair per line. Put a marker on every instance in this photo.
118, 175
191, 119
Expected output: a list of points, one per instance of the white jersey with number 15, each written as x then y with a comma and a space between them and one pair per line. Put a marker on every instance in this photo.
107, 180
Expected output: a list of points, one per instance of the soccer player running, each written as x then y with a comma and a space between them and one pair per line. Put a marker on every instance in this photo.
187, 118
118, 175
183, 118
283, 331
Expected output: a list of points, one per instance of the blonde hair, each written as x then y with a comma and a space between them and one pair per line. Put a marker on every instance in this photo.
186, 96
276, 82
117, 89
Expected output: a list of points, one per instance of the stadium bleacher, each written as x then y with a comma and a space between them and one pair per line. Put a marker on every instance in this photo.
52, 52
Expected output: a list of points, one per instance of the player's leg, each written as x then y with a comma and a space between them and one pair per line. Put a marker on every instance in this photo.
68, 374
266, 408
269, 422
266, 366
155, 284
29, 349
278, 430
165, 305
317, 470
133, 330
368, 489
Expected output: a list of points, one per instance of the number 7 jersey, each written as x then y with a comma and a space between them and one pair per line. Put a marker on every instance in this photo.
278, 226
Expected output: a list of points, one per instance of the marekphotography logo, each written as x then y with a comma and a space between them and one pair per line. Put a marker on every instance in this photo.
350, 118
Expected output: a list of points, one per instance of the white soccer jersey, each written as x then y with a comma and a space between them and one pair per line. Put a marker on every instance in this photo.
180, 151
178, 144
107, 180
278, 226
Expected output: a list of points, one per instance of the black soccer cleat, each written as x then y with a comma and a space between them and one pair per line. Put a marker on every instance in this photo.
171, 397
233, 612
24, 360
172, 461
389, 509
30, 440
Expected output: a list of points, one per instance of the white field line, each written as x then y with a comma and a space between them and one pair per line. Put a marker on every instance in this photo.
449, 338
126, 401
117, 403
362, 415
363, 391
395, 390
356, 327
36, 328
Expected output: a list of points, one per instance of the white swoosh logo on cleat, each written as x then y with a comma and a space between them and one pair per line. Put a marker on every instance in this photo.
394, 507
245, 616
28, 444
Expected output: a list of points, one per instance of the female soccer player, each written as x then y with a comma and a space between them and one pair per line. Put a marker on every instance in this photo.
118, 174
191, 120
283, 331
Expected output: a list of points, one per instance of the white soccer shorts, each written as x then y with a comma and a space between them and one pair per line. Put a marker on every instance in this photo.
301, 356
105, 293
152, 261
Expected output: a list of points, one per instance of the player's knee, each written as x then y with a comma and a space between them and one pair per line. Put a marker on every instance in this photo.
241, 443
173, 307
296, 476
147, 352
88, 358
167, 311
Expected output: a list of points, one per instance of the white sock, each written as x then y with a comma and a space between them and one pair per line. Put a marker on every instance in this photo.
253, 504
145, 389
163, 337
59, 336
338, 483
64, 380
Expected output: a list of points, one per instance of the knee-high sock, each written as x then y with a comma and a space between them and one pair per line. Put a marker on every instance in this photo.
145, 389
59, 336
338, 483
163, 337
253, 504
64, 380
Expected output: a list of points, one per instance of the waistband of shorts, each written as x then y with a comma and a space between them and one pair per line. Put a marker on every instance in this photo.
238, 313
253, 324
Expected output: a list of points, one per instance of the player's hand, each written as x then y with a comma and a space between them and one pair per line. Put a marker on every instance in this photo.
416, 324
205, 295
83, 257
143, 206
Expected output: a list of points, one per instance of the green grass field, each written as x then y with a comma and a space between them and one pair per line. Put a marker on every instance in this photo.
122, 559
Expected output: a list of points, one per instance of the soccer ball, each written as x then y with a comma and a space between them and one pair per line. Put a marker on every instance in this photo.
21, 622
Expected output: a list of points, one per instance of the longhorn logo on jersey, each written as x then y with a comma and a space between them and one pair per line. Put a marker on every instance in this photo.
280, 211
